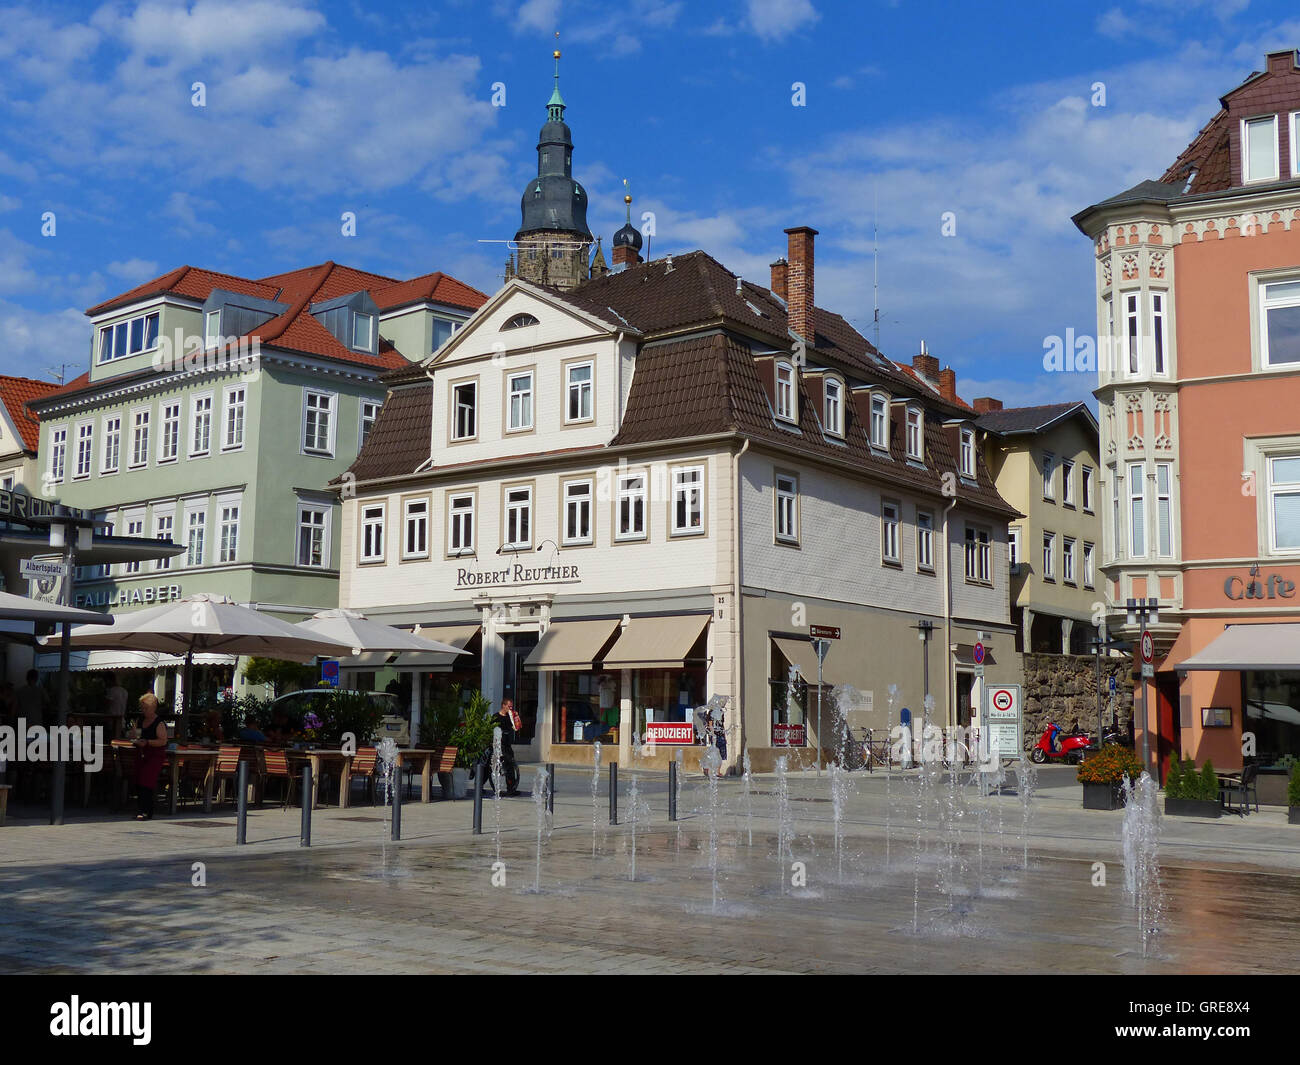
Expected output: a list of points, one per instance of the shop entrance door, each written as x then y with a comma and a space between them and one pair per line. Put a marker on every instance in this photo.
964, 683
1170, 736
520, 684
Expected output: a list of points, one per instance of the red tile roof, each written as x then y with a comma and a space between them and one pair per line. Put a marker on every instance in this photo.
14, 394
434, 288
188, 281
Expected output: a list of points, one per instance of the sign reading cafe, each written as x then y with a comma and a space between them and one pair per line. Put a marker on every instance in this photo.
1273, 587
515, 575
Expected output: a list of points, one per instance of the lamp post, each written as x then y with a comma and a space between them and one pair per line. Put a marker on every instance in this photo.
1143, 612
1099, 644
925, 629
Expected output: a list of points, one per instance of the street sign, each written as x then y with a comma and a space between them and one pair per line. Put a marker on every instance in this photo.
823, 632
979, 672
1112, 685
36, 568
979, 654
821, 647
329, 672
1004, 721
1148, 670
1148, 650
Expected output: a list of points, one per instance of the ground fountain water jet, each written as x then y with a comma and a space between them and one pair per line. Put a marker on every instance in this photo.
1141, 835
496, 790
710, 763
749, 805
889, 776
1026, 781
595, 796
545, 822
784, 820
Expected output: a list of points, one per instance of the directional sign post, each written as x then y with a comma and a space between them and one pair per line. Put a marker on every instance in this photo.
821, 635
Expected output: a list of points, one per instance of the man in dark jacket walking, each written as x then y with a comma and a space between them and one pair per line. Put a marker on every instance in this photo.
505, 720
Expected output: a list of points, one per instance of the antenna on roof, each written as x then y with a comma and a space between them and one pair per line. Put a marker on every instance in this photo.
875, 267
59, 373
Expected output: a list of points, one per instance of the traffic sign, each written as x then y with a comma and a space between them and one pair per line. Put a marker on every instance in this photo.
821, 647
1148, 650
1112, 685
1005, 726
979, 654
823, 632
329, 672
1148, 670
36, 568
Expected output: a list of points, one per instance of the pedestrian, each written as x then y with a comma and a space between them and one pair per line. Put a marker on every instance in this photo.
115, 700
508, 721
151, 753
32, 699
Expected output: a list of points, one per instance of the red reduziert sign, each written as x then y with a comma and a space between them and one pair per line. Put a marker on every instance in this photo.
788, 736
669, 732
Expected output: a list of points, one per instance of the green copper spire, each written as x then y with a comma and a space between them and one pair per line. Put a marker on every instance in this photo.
555, 105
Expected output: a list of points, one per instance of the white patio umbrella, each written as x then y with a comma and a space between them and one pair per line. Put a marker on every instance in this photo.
20, 608
206, 623
360, 634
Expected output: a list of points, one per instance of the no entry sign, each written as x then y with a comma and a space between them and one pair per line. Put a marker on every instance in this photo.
1148, 647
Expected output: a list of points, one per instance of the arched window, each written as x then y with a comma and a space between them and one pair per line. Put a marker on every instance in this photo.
785, 391
519, 321
833, 417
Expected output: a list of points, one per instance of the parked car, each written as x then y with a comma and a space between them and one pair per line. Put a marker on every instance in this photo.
296, 704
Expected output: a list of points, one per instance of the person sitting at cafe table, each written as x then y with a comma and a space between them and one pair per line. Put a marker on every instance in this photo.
279, 730
250, 733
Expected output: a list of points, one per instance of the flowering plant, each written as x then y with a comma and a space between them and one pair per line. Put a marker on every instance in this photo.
311, 726
1110, 765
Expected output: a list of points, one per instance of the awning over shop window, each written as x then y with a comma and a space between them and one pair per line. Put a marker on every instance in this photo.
417, 661
800, 653
572, 644
1250, 647
656, 643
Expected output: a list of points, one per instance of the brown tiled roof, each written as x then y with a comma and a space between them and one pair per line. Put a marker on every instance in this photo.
399, 440
434, 288
1012, 420
710, 384
14, 394
1209, 155
188, 281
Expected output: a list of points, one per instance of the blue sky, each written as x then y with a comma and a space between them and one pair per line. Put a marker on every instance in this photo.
312, 109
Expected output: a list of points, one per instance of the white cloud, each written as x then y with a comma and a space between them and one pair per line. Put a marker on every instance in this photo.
541, 15
31, 341
774, 20
133, 270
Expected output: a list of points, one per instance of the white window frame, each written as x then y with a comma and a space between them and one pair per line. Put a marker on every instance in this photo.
1088, 488
134, 523
574, 504
1013, 548
1247, 178
239, 409
357, 318
192, 512
112, 444
1068, 575
585, 389
227, 522
372, 532
1137, 510
785, 392
526, 397
1133, 332
917, 437
631, 490
1047, 467
1265, 304
1118, 526
1159, 300
967, 452
1049, 556
1273, 489
140, 431
457, 517
879, 411
833, 406
925, 540
58, 453
1089, 564
1067, 482
683, 490
367, 414
164, 515
978, 555
473, 408
171, 431
1164, 510
107, 332
785, 514
198, 418
211, 329
330, 412
890, 538
325, 511
85, 451
511, 513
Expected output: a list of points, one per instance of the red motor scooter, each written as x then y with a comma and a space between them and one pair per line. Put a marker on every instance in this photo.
1071, 747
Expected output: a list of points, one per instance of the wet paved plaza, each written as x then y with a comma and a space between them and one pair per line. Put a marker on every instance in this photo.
356, 904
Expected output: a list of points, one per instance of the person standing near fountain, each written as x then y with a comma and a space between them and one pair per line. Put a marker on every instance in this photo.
151, 753
508, 722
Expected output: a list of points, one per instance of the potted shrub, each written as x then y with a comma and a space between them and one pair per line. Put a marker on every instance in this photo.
1189, 793
438, 725
1102, 773
1293, 796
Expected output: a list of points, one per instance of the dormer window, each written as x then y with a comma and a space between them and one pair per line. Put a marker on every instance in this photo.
880, 422
128, 338
915, 433
785, 391
211, 328
363, 327
1259, 160
442, 331
968, 452
519, 321
834, 406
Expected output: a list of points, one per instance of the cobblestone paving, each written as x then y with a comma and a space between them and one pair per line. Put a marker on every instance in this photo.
91, 897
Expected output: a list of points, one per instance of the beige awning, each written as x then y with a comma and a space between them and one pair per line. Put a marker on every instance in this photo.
656, 643
800, 653
417, 661
571, 644
1250, 647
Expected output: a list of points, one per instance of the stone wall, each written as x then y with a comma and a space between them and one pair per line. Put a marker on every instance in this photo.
1062, 688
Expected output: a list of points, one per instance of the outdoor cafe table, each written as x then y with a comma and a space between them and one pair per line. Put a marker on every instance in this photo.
176, 757
327, 758
424, 757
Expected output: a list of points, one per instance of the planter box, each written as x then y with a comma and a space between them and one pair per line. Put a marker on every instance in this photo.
1293, 815
455, 785
1102, 797
1192, 807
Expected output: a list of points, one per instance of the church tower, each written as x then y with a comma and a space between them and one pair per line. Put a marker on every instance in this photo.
553, 241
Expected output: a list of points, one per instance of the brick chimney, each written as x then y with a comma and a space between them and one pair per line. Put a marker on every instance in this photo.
625, 255
779, 270
926, 364
799, 283
948, 384
987, 403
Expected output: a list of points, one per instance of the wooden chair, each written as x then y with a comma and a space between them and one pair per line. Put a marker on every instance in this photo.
273, 765
124, 756
227, 768
363, 766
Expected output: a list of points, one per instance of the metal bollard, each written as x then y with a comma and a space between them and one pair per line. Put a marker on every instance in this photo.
241, 816
304, 836
550, 787
672, 790
397, 811
613, 793
478, 799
